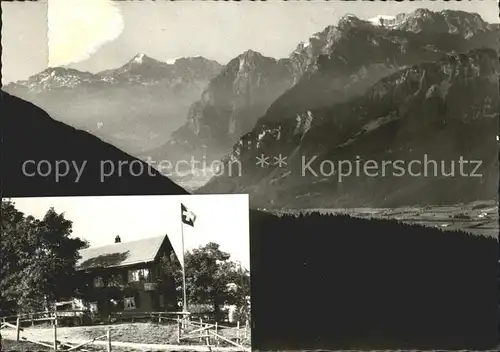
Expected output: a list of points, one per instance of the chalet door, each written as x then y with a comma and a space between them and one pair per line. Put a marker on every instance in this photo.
161, 302
155, 301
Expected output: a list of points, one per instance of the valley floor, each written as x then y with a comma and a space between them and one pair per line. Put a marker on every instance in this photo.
478, 218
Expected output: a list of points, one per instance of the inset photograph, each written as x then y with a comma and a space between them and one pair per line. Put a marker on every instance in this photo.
126, 272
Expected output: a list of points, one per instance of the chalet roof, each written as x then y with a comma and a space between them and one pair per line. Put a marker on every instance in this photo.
120, 254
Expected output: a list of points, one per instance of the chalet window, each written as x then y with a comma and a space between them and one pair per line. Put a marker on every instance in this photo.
133, 276
138, 275
98, 281
129, 303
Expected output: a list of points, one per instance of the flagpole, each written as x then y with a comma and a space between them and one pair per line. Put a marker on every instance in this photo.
184, 306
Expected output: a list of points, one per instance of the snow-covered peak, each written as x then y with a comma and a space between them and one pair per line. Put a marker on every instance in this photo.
350, 21
56, 77
377, 18
172, 61
383, 20
349, 16
138, 58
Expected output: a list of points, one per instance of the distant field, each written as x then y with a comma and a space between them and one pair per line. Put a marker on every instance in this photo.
478, 218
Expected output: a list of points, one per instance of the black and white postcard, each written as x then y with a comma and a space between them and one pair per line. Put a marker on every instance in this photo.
364, 136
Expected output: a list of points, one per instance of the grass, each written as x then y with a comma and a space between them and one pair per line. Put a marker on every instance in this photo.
131, 332
23, 346
12, 346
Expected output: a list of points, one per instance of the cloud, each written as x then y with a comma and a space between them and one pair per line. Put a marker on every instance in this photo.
78, 28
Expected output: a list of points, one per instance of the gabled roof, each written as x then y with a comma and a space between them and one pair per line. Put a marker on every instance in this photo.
120, 254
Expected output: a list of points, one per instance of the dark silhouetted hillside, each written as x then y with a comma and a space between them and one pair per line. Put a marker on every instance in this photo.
29, 133
335, 282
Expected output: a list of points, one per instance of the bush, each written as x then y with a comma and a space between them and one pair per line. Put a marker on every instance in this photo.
196, 308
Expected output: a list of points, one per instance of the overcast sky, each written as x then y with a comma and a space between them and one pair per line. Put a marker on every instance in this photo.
166, 30
223, 219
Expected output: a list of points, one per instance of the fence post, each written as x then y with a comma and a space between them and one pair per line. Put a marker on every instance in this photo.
178, 330
238, 332
201, 331
55, 331
216, 336
18, 328
207, 338
109, 339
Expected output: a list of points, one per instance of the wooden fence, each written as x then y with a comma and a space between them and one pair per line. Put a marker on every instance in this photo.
211, 334
188, 330
45, 316
149, 316
55, 343
81, 315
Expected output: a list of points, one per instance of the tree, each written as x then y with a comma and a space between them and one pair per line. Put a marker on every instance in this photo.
211, 278
38, 259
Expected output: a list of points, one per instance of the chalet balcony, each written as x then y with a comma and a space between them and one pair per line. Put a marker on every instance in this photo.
120, 285
150, 286
138, 279
143, 285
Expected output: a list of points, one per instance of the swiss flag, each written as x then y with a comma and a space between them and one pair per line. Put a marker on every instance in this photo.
188, 217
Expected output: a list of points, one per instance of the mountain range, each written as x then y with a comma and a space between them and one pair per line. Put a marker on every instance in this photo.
387, 87
420, 90
325, 70
100, 103
440, 111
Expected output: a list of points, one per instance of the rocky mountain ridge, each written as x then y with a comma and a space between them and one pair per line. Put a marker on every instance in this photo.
325, 70
443, 110
228, 107
332, 69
